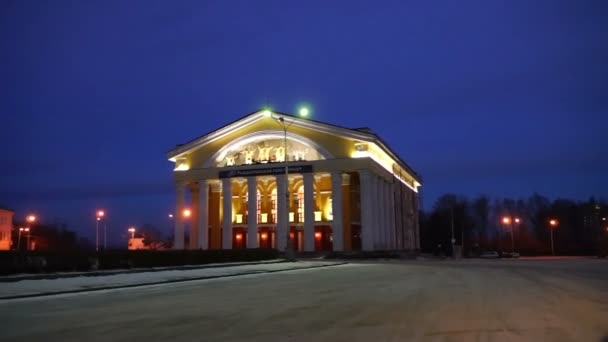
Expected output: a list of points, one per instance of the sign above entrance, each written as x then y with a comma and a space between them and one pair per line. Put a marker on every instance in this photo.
275, 170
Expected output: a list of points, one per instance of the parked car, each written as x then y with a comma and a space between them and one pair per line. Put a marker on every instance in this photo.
489, 255
509, 255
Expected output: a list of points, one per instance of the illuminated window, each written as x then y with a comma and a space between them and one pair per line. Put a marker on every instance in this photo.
259, 209
318, 216
273, 200
239, 218
301, 204
259, 205
330, 214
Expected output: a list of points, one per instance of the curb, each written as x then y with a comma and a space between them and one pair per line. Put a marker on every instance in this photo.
51, 276
34, 295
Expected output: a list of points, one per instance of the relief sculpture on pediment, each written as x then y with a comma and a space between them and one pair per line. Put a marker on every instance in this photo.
268, 151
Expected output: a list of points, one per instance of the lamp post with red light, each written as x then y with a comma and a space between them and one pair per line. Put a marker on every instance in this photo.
99, 216
552, 225
186, 214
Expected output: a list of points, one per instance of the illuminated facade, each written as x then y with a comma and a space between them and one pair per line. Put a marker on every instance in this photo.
345, 190
6, 226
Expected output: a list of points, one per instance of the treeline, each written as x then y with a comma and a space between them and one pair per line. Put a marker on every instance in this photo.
581, 228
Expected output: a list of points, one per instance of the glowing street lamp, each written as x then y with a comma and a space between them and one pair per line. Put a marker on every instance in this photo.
302, 112
22, 229
508, 221
187, 213
552, 224
30, 220
170, 216
132, 231
99, 215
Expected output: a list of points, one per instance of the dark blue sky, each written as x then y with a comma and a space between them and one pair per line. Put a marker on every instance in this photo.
496, 97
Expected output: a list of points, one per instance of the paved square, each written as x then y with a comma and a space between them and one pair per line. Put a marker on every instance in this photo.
468, 300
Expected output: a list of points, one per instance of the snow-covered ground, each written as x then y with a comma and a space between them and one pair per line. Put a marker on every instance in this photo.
59, 285
482, 300
134, 270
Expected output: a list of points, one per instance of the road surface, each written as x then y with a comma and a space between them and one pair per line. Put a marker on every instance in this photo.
482, 300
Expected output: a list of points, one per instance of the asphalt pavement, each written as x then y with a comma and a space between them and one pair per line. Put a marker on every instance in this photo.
481, 300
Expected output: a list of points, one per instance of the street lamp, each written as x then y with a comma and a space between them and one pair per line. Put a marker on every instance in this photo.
303, 112
99, 215
132, 231
509, 222
22, 229
187, 213
552, 225
30, 220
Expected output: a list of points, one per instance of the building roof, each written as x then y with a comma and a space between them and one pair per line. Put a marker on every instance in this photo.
364, 133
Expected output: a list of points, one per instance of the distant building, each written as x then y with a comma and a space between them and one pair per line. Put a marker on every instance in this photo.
137, 243
347, 190
6, 226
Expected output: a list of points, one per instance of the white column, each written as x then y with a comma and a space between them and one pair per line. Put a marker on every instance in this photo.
382, 219
365, 201
282, 219
180, 200
376, 202
392, 236
252, 209
336, 225
203, 214
387, 215
227, 209
309, 213
416, 220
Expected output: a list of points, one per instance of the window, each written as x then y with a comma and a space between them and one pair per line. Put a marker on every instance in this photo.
273, 200
259, 209
301, 204
259, 205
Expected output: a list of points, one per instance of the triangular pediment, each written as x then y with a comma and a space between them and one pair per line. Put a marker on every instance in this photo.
239, 127
256, 138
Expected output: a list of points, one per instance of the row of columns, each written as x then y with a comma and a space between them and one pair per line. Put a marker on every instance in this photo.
378, 225
202, 201
377, 205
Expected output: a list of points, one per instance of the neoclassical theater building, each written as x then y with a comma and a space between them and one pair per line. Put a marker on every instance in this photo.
345, 189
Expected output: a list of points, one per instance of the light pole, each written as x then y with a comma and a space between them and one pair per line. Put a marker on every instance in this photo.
30, 220
303, 112
100, 214
187, 213
509, 222
552, 225
515, 221
132, 231
453, 240
21, 229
